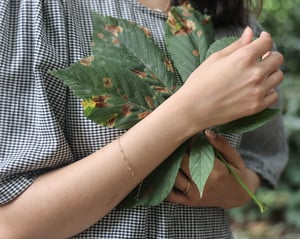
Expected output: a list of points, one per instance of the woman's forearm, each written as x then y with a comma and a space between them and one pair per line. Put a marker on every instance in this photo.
68, 200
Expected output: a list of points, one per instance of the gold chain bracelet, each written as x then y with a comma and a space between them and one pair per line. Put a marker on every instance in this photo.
125, 159
132, 172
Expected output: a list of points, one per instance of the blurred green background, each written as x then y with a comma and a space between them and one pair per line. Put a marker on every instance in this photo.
281, 18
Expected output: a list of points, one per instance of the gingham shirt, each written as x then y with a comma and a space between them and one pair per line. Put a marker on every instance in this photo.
42, 126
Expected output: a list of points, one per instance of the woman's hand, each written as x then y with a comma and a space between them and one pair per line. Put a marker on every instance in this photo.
221, 189
232, 83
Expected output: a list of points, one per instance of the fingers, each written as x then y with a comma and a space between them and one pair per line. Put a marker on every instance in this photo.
182, 183
274, 79
185, 166
271, 62
259, 47
270, 99
245, 39
181, 190
225, 148
274, 76
177, 197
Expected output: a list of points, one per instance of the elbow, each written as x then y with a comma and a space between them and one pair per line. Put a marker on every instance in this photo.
10, 232
6, 233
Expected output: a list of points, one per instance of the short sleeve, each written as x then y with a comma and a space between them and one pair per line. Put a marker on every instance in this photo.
33, 39
265, 151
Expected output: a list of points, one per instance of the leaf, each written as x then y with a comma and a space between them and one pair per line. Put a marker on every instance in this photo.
201, 161
220, 44
248, 123
128, 76
188, 36
132, 46
158, 184
112, 96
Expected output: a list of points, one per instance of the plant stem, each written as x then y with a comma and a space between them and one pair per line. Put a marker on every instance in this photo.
261, 205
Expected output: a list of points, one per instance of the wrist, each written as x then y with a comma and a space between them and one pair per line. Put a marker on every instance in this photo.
180, 116
192, 114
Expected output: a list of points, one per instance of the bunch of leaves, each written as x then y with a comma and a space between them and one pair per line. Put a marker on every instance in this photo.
128, 76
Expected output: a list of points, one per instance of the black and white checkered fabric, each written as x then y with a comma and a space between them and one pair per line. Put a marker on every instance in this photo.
42, 126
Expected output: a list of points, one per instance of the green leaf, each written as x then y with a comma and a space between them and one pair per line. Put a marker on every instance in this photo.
188, 35
156, 187
220, 44
81, 78
201, 161
128, 76
248, 123
132, 46
112, 96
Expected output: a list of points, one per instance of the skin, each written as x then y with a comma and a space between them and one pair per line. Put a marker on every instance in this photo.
68, 200
216, 196
156, 4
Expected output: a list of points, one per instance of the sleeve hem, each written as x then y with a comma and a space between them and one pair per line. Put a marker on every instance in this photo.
13, 187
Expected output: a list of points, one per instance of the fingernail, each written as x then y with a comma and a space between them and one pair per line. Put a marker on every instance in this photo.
266, 55
246, 32
211, 134
264, 33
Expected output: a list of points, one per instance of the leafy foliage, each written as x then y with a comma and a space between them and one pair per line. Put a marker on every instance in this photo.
128, 76
189, 35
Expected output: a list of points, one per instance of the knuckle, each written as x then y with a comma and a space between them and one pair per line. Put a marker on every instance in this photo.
273, 100
216, 55
280, 75
254, 107
257, 94
257, 74
220, 174
246, 53
221, 177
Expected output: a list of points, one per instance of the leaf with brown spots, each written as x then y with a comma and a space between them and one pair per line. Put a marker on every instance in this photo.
112, 95
128, 76
87, 61
132, 47
188, 35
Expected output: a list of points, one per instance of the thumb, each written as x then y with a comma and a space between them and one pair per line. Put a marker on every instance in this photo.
230, 154
245, 39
